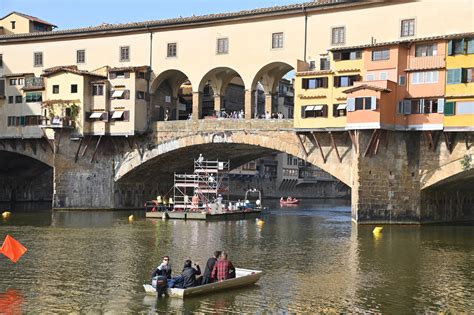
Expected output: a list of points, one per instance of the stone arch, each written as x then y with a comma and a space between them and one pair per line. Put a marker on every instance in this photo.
446, 174
263, 143
36, 149
166, 89
269, 77
213, 87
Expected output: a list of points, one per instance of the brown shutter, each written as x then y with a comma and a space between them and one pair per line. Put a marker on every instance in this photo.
337, 81
336, 56
335, 112
304, 84
325, 82
325, 111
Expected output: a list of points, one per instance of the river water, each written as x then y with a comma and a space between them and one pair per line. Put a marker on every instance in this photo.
314, 258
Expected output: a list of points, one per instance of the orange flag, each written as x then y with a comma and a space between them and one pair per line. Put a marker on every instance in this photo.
12, 249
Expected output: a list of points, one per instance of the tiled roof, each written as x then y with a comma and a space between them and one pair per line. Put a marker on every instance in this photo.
70, 69
6, 75
137, 68
299, 8
29, 17
366, 87
406, 41
313, 72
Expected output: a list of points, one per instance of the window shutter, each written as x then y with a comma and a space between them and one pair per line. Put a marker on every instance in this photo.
440, 105
450, 48
113, 75
449, 108
325, 82
373, 103
335, 112
421, 106
126, 115
336, 56
304, 84
126, 75
470, 46
457, 75
105, 116
126, 95
22, 120
325, 111
463, 47
464, 72
406, 107
350, 104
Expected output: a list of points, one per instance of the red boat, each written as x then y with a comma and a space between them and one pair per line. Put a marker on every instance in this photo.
292, 201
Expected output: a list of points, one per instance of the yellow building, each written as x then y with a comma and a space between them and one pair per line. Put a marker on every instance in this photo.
20, 23
320, 101
459, 106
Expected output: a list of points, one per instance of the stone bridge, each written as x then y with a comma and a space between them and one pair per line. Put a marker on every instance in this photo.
395, 177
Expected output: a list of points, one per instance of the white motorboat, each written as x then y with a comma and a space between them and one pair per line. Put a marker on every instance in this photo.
244, 277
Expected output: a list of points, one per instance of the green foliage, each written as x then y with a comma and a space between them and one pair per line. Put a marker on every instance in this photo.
466, 162
74, 111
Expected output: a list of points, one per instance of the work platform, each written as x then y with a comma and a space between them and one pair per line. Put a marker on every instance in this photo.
204, 216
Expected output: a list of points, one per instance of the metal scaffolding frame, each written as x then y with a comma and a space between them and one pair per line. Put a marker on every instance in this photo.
209, 180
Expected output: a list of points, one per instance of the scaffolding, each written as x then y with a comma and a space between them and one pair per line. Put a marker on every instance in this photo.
198, 191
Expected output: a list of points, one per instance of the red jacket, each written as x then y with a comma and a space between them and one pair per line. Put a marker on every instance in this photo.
222, 269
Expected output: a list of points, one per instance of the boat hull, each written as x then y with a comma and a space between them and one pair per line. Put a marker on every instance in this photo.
244, 277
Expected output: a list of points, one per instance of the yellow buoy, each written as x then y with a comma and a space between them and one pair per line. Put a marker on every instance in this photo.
377, 230
260, 222
131, 218
6, 214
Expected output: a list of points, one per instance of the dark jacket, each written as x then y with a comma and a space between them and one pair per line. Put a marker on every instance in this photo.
162, 270
206, 278
189, 274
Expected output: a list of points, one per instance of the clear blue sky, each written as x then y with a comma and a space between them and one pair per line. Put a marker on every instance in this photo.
71, 14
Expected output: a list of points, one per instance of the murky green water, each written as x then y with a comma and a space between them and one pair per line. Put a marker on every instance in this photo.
315, 259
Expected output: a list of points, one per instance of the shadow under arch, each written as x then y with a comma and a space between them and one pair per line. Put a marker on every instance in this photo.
270, 74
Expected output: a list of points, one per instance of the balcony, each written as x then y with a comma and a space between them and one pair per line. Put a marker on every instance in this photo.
426, 63
57, 122
33, 83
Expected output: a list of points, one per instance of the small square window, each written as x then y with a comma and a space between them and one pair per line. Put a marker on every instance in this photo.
81, 56
338, 35
124, 53
73, 88
11, 99
402, 80
12, 81
38, 59
172, 50
18, 99
408, 28
222, 45
21, 81
97, 89
55, 89
277, 40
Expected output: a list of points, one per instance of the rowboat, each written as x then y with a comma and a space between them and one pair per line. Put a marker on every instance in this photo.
289, 202
244, 277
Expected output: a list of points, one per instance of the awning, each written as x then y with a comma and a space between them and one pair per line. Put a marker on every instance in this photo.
118, 93
117, 114
318, 107
341, 106
308, 108
96, 115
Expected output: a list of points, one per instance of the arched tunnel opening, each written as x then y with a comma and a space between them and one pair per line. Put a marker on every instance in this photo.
450, 200
25, 183
273, 172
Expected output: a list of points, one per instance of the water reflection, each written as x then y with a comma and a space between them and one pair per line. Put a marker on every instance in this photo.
11, 302
315, 260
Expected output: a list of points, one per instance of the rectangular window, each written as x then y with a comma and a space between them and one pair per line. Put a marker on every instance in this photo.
402, 80
465, 108
370, 77
97, 89
408, 28
21, 81
383, 76
55, 89
172, 50
1, 60
449, 108
338, 35
13, 24
11, 99
32, 97
73, 88
222, 45
12, 81
425, 77
347, 55
124, 53
324, 64
38, 59
315, 83
430, 106
383, 54
313, 111
362, 103
80, 56
470, 48
277, 40
11, 121
454, 76
339, 110
18, 99
426, 50
344, 81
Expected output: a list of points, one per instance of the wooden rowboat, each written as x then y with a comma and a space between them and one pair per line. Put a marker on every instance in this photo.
244, 277
290, 202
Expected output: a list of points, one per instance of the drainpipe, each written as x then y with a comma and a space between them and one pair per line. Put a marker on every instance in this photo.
305, 30
148, 81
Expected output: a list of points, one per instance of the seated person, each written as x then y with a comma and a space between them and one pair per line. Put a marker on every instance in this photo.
223, 268
189, 274
164, 269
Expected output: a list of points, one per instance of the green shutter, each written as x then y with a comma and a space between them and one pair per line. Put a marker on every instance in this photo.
470, 46
454, 76
450, 48
22, 121
449, 108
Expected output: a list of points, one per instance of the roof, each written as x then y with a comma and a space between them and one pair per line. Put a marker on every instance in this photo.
6, 75
70, 69
137, 68
367, 87
29, 17
299, 8
406, 41
313, 72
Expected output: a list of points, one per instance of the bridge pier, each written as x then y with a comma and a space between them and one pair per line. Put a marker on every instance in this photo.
249, 104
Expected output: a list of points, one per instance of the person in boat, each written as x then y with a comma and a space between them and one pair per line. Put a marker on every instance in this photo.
206, 278
282, 199
189, 274
161, 275
223, 268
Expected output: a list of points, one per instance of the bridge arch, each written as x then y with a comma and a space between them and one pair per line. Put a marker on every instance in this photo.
240, 145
